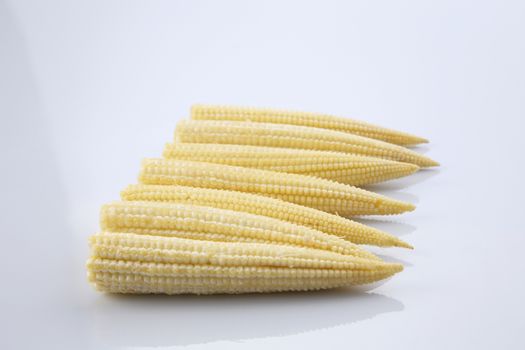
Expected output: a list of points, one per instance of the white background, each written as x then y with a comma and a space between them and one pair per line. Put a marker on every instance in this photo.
88, 88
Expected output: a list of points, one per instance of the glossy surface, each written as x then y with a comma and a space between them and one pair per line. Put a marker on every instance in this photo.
89, 88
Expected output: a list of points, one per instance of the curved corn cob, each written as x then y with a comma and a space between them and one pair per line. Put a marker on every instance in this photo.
305, 190
266, 206
293, 136
324, 121
342, 167
212, 224
129, 263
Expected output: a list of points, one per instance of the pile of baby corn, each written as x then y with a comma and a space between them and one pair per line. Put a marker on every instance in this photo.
255, 200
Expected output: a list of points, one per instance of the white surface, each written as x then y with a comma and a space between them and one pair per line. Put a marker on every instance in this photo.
89, 88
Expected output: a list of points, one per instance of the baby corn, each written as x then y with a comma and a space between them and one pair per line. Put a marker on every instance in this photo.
305, 190
213, 224
342, 167
130, 263
293, 136
266, 206
324, 121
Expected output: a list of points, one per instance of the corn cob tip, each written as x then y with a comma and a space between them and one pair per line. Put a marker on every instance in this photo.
410, 168
419, 159
422, 140
407, 206
402, 244
414, 140
389, 270
396, 268
427, 162
391, 206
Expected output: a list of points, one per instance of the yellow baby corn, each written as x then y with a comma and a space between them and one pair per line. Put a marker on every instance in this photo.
213, 224
324, 121
305, 190
266, 206
342, 167
130, 263
293, 136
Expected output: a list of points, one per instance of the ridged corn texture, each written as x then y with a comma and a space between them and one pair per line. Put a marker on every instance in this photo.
131, 263
214, 224
293, 136
266, 206
318, 120
322, 194
341, 167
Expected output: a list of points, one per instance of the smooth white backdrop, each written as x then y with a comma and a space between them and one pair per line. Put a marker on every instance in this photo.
88, 88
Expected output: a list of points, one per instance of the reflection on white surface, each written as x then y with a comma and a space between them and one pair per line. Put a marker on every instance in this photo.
152, 321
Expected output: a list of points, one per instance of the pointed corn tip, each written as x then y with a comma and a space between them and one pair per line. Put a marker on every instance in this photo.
389, 206
411, 168
396, 268
405, 206
430, 163
416, 140
402, 244
391, 269
424, 161
392, 241
411, 140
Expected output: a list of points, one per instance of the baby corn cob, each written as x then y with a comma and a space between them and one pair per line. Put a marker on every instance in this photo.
342, 167
129, 263
213, 224
324, 121
310, 191
266, 206
293, 136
